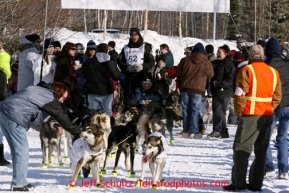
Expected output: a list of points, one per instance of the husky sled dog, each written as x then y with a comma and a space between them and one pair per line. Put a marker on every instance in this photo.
154, 153
87, 150
172, 112
50, 135
152, 119
206, 111
104, 122
124, 137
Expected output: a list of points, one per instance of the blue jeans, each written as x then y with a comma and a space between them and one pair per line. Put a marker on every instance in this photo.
191, 104
100, 102
16, 137
281, 115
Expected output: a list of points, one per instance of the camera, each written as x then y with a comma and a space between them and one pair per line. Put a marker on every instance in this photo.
157, 51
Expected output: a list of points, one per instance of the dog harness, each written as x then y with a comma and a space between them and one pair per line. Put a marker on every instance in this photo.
80, 149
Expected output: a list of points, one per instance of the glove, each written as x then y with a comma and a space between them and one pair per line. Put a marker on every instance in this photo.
138, 68
131, 68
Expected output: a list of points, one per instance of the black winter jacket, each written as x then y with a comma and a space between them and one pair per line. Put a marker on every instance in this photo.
283, 68
98, 71
4, 90
224, 72
113, 55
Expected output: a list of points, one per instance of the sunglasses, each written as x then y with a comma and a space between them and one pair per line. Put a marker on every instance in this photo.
72, 48
91, 49
147, 82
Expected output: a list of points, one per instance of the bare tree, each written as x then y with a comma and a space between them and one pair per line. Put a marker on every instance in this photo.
84, 20
180, 28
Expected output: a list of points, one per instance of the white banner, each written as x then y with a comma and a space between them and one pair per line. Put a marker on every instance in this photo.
218, 6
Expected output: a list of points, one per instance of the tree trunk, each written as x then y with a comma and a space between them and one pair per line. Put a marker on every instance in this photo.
207, 26
98, 18
130, 19
180, 29
141, 18
104, 24
186, 24
112, 18
125, 18
84, 20
145, 23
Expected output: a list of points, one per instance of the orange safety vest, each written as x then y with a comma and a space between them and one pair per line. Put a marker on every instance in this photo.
262, 84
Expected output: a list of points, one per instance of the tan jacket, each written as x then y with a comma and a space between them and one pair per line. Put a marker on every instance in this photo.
243, 82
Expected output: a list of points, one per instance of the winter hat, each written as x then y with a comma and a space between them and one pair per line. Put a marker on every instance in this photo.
57, 44
91, 45
262, 43
256, 52
134, 31
146, 76
210, 49
199, 48
238, 56
48, 43
111, 44
273, 48
33, 37
79, 48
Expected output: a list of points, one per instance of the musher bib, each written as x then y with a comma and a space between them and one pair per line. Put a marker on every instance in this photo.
134, 56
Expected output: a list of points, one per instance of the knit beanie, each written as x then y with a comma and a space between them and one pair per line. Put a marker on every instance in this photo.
79, 48
199, 48
273, 47
48, 43
33, 37
209, 48
91, 45
111, 44
57, 44
146, 76
134, 31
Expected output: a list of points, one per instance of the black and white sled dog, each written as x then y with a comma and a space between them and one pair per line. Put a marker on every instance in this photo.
154, 152
152, 119
50, 137
172, 113
124, 137
87, 152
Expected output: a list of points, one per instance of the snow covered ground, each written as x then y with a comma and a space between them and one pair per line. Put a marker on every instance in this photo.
195, 165
201, 165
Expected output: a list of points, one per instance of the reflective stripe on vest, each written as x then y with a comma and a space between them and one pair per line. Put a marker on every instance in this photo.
255, 99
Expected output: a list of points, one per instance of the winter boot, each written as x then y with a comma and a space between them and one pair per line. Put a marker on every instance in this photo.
3, 161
